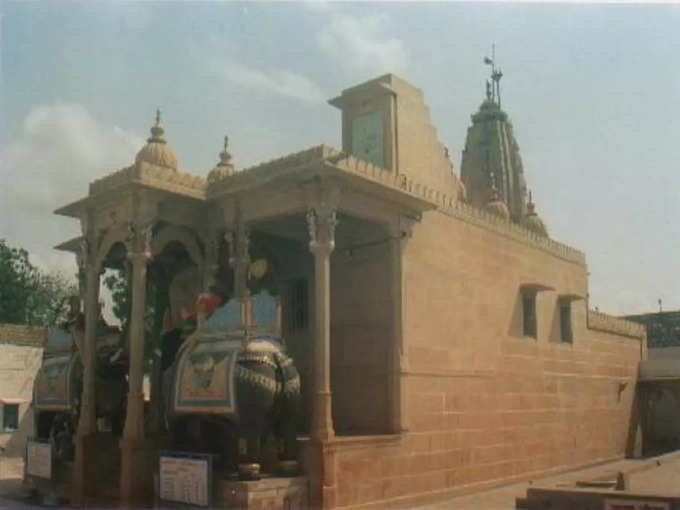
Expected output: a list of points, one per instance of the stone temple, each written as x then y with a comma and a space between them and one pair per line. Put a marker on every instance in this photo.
443, 339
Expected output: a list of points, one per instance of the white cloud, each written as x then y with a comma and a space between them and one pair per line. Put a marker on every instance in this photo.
59, 151
361, 44
277, 81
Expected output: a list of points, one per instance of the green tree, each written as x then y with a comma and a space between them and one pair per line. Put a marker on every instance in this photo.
117, 282
28, 295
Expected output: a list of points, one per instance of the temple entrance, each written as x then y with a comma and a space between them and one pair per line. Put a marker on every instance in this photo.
361, 316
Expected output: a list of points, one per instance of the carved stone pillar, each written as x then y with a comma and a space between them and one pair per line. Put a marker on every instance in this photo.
400, 232
211, 263
87, 422
239, 257
134, 420
321, 221
87, 425
136, 458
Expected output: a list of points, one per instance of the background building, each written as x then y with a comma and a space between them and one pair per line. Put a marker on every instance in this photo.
20, 358
663, 328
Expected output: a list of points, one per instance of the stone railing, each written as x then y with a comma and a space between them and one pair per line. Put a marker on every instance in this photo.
16, 334
609, 324
513, 231
451, 206
155, 176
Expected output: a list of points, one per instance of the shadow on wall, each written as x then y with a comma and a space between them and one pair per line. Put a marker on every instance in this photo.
663, 420
516, 323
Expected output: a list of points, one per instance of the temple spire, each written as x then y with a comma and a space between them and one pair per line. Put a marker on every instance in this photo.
493, 88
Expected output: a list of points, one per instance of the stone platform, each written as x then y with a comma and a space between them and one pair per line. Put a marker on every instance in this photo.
270, 493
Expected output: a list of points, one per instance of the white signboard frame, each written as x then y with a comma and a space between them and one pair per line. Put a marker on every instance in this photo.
185, 478
38, 459
635, 504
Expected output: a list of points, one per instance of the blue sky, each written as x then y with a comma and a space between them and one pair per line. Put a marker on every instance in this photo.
592, 91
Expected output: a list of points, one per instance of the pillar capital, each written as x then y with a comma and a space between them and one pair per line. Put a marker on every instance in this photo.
321, 225
401, 228
142, 257
139, 236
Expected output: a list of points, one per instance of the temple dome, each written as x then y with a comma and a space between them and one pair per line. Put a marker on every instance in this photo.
533, 222
156, 151
224, 168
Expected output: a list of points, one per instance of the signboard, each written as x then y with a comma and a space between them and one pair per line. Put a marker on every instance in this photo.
185, 478
635, 504
39, 459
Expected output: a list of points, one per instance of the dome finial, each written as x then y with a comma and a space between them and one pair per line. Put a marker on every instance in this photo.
224, 168
530, 205
493, 92
156, 151
225, 156
157, 130
532, 220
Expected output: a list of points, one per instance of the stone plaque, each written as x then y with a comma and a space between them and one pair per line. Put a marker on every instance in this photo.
367, 138
185, 478
39, 459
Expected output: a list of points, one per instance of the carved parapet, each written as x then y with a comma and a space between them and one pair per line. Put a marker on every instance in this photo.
268, 169
153, 176
609, 324
444, 200
519, 233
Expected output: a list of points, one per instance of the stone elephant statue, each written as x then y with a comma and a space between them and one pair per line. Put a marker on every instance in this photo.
58, 384
231, 384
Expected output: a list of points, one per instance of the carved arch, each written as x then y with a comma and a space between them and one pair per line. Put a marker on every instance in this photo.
182, 235
112, 236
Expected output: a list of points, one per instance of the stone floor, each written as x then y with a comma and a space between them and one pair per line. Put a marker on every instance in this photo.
655, 475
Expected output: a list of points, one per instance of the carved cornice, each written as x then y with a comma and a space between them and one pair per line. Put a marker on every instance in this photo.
609, 324
153, 176
446, 202
512, 231
268, 170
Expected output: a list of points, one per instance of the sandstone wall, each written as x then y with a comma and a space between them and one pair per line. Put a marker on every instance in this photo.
484, 404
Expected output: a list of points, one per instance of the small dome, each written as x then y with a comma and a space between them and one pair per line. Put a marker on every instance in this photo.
533, 222
156, 151
498, 208
495, 205
224, 168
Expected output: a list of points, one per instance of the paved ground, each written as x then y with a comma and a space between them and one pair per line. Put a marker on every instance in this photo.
12, 495
658, 474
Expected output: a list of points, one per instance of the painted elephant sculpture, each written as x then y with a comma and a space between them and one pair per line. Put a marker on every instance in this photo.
58, 387
229, 387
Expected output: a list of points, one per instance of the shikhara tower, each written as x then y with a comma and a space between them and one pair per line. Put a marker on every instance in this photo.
491, 167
